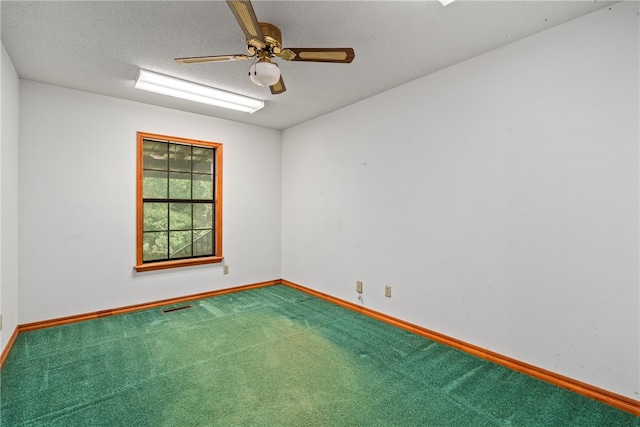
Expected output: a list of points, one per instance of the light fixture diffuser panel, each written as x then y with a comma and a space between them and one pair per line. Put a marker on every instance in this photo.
178, 88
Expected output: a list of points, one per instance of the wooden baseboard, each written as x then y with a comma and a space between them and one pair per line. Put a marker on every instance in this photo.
605, 396
26, 327
7, 348
136, 307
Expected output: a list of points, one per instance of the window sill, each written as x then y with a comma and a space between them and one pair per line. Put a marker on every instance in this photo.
177, 263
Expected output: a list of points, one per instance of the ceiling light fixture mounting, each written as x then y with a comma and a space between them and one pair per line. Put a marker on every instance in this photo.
178, 88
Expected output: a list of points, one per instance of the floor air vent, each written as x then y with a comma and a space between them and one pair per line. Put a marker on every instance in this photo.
182, 307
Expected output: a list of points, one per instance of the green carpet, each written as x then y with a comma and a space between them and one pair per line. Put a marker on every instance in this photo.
272, 356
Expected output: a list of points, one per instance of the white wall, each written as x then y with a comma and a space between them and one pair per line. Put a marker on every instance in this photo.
78, 201
9, 124
498, 197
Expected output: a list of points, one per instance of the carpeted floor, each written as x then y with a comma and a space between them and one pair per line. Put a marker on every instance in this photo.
269, 357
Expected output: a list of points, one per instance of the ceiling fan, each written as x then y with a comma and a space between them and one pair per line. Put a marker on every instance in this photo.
264, 42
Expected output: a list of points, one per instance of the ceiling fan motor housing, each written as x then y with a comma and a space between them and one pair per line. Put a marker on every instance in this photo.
272, 39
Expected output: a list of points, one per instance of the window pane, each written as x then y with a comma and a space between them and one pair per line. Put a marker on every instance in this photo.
202, 242
154, 246
179, 186
180, 216
155, 155
179, 244
154, 185
179, 158
202, 215
203, 160
203, 187
155, 217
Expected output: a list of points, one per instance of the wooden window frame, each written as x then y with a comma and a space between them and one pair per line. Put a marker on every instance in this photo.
217, 186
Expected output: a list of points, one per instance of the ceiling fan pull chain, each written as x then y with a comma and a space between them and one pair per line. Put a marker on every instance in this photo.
254, 69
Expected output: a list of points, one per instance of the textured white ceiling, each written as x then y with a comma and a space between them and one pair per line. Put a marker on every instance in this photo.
98, 46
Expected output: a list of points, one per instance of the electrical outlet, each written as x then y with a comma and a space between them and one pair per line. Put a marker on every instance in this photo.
387, 291
359, 287
225, 269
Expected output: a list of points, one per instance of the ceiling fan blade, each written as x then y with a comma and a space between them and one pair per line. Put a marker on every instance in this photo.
246, 17
278, 87
318, 54
219, 58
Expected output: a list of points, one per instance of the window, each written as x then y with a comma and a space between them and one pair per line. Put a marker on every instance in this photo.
179, 212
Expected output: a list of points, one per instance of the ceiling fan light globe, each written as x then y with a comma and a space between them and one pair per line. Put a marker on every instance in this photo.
264, 73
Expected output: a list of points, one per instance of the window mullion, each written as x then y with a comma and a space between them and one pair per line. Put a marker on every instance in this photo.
168, 202
192, 183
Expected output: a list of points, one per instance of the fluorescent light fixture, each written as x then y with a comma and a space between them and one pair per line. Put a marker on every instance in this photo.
446, 2
165, 85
